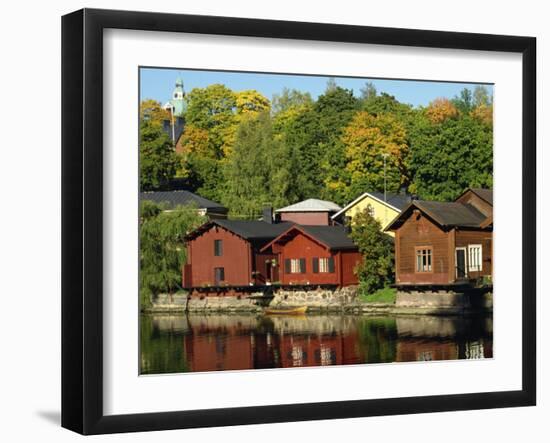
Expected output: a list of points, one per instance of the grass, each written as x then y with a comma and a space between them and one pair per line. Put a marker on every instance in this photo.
385, 295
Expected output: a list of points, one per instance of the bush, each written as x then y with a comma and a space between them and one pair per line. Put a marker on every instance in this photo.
376, 269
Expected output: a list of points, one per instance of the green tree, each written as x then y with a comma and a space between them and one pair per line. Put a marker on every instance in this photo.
451, 156
213, 109
157, 157
368, 92
464, 101
290, 99
376, 268
333, 111
162, 248
257, 171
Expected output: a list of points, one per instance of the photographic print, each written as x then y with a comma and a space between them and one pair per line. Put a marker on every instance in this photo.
312, 220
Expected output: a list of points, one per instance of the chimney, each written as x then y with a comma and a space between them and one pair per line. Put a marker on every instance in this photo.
268, 214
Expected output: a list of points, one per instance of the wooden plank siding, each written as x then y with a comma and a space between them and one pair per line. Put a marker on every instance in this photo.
465, 237
481, 205
236, 259
307, 218
303, 247
419, 231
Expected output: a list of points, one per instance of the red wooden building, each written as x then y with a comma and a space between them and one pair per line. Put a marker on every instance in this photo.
444, 243
227, 253
315, 255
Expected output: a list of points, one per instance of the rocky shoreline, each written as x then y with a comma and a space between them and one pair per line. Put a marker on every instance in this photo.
342, 300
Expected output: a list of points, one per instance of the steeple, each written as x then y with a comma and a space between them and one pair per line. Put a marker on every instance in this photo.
177, 100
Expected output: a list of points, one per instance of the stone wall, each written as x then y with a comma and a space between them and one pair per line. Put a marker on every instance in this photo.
228, 303
319, 299
169, 303
465, 301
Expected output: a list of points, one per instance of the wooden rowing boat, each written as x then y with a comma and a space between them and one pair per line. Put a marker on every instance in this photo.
286, 311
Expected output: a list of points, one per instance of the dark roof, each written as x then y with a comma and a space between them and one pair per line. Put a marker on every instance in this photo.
484, 194
255, 231
399, 201
446, 214
333, 237
451, 213
176, 198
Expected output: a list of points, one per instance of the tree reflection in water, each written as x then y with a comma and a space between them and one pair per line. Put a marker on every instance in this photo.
197, 343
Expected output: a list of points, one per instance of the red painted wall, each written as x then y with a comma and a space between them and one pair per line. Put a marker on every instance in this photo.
301, 246
350, 259
236, 259
307, 218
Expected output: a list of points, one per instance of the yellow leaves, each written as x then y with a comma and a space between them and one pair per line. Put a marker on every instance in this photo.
441, 109
194, 141
153, 111
483, 113
251, 101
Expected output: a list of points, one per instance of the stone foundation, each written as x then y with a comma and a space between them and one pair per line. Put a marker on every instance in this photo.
169, 303
227, 303
444, 300
339, 299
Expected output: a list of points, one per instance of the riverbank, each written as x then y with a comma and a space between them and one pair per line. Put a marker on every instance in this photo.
343, 300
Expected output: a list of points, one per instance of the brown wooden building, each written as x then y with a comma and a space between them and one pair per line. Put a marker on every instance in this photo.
309, 212
315, 255
444, 243
227, 253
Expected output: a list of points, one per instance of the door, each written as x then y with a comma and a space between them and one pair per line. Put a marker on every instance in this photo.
460, 262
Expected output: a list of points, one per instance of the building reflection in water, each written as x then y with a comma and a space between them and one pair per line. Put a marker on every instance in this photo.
199, 343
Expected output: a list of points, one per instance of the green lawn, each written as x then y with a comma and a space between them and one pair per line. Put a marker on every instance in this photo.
386, 295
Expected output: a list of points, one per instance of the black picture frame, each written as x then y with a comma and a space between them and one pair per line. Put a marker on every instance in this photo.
82, 218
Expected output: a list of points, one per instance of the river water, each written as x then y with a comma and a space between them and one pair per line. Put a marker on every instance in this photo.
197, 343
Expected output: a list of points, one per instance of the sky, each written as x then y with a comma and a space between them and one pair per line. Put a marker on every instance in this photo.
158, 84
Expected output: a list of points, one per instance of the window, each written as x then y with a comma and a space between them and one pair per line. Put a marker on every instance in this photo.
219, 275
295, 265
475, 258
370, 210
323, 265
218, 248
424, 260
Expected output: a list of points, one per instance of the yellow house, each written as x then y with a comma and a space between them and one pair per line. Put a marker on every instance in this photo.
382, 209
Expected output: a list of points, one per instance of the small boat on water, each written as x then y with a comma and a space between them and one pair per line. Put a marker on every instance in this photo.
286, 311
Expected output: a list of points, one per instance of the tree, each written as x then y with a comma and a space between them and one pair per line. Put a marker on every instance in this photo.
296, 128
464, 101
151, 110
481, 97
157, 157
251, 101
257, 171
368, 92
376, 268
450, 157
162, 248
333, 111
331, 85
367, 139
290, 99
440, 110
212, 109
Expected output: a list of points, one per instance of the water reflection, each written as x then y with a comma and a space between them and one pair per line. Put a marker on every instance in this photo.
183, 343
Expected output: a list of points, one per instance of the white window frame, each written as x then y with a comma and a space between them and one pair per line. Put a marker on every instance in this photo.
295, 266
475, 263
